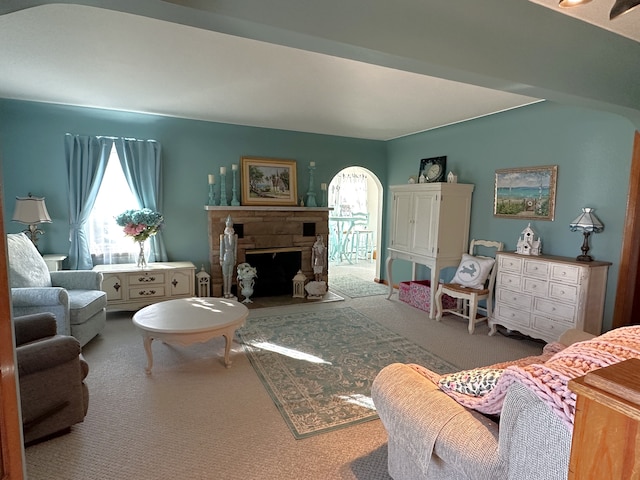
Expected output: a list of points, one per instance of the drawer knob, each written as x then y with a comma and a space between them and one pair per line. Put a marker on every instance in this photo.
563, 273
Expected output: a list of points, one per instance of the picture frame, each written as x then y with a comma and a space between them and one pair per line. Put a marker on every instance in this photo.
268, 182
526, 193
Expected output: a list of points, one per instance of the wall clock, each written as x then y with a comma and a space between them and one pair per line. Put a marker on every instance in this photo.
433, 169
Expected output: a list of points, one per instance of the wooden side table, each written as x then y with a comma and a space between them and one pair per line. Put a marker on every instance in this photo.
54, 261
606, 433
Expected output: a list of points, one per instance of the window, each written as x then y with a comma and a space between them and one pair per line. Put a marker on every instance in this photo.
107, 242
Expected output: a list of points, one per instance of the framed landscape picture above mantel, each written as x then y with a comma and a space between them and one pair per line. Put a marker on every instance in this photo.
269, 181
526, 192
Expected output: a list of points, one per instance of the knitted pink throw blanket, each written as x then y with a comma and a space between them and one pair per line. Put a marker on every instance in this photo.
548, 380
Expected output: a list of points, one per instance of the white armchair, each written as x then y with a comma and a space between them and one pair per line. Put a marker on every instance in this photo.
73, 296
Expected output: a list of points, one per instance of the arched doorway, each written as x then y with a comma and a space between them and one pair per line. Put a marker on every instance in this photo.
355, 224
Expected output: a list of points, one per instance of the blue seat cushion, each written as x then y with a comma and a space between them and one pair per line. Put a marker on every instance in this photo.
84, 304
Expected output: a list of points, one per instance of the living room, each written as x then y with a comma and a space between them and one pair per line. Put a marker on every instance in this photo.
591, 146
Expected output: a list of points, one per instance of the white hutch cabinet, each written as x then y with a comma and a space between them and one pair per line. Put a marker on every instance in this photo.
543, 296
130, 288
429, 226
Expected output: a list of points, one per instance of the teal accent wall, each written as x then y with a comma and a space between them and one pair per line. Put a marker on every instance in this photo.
593, 153
591, 148
32, 155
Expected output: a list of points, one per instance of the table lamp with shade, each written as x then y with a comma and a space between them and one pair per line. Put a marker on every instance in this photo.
31, 211
586, 222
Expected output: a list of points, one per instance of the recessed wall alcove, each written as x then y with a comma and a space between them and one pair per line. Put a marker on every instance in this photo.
266, 228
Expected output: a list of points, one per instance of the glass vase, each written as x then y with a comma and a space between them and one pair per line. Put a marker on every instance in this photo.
142, 261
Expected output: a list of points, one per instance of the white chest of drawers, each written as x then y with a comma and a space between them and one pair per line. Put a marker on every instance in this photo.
130, 288
542, 296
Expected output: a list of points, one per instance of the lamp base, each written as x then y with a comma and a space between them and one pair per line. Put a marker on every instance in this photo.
585, 257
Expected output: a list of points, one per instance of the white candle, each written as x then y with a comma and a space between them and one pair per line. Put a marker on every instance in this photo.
323, 186
223, 170
212, 179
234, 166
312, 164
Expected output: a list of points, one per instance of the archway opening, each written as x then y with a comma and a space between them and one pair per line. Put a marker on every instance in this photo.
355, 195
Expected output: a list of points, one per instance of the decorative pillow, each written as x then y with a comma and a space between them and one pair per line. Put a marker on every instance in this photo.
473, 271
27, 268
477, 382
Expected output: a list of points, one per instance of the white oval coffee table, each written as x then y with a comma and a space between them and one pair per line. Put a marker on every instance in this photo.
187, 321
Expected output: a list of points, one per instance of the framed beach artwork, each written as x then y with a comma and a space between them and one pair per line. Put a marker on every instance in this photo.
526, 193
268, 181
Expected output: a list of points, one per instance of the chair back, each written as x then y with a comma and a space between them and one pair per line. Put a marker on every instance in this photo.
360, 220
487, 245
27, 268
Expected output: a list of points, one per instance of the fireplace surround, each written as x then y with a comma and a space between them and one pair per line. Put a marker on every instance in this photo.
264, 228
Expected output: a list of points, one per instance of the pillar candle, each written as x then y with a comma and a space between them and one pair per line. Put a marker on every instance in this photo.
223, 170
312, 164
212, 179
323, 186
234, 166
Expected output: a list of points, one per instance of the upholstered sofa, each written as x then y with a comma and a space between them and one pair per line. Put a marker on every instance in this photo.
73, 296
431, 435
51, 370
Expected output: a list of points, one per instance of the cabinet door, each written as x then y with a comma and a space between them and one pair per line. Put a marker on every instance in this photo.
402, 224
425, 221
113, 285
181, 282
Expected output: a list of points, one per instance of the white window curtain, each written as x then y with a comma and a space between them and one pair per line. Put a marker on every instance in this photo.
348, 194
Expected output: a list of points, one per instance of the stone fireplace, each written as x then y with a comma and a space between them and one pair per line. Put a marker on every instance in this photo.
267, 230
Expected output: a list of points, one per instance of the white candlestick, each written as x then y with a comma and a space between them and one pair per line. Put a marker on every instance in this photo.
212, 179
223, 170
312, 164
234, 166
323, 186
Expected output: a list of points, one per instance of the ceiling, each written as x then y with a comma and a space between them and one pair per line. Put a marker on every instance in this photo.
596, 13
216, 66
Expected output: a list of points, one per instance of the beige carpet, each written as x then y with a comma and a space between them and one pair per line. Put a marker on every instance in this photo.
195, 419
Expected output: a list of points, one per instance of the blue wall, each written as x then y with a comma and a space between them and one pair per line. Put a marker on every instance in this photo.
32, 154
593, 153
592, 150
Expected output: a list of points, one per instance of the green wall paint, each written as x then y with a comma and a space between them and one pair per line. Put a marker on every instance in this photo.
32, 153
591, 148
593, 153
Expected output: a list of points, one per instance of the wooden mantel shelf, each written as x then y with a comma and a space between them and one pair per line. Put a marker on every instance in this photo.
270, 208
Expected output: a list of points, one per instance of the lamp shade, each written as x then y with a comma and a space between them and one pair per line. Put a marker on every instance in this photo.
31, 210
587, 222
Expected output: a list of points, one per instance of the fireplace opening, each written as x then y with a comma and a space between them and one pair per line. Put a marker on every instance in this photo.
276, 268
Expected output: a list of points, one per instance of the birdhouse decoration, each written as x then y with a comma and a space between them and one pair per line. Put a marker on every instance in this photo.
298, 285
204, 281
528, 244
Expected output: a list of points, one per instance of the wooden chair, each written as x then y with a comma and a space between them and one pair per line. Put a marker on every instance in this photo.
468, 298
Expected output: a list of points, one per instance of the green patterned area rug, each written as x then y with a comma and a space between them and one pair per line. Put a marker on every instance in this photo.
355, 287
318, 367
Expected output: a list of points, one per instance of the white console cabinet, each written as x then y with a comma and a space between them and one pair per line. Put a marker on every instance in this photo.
542, 296
429, 226
130, 288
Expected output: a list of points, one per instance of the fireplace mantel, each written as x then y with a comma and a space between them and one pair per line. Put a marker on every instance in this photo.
266, 227
272, 209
